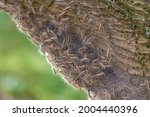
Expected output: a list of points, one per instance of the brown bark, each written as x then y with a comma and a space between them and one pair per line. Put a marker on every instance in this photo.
101, 47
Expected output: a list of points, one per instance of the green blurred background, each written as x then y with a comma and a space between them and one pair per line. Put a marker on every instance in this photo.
24, 73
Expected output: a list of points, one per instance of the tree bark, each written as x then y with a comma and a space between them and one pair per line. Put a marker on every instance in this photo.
99, 46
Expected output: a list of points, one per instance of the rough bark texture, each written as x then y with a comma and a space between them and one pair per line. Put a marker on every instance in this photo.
99, 46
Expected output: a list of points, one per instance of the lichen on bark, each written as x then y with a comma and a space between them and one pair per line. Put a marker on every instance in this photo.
99, 46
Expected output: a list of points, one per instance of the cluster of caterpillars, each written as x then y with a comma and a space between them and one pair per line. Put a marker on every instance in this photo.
76, 59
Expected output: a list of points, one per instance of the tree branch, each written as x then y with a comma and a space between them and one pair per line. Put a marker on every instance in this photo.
100, 47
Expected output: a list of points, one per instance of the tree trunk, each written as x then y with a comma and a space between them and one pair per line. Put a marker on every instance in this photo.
99, 46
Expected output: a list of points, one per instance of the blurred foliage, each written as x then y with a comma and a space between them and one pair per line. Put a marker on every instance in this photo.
24, 73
